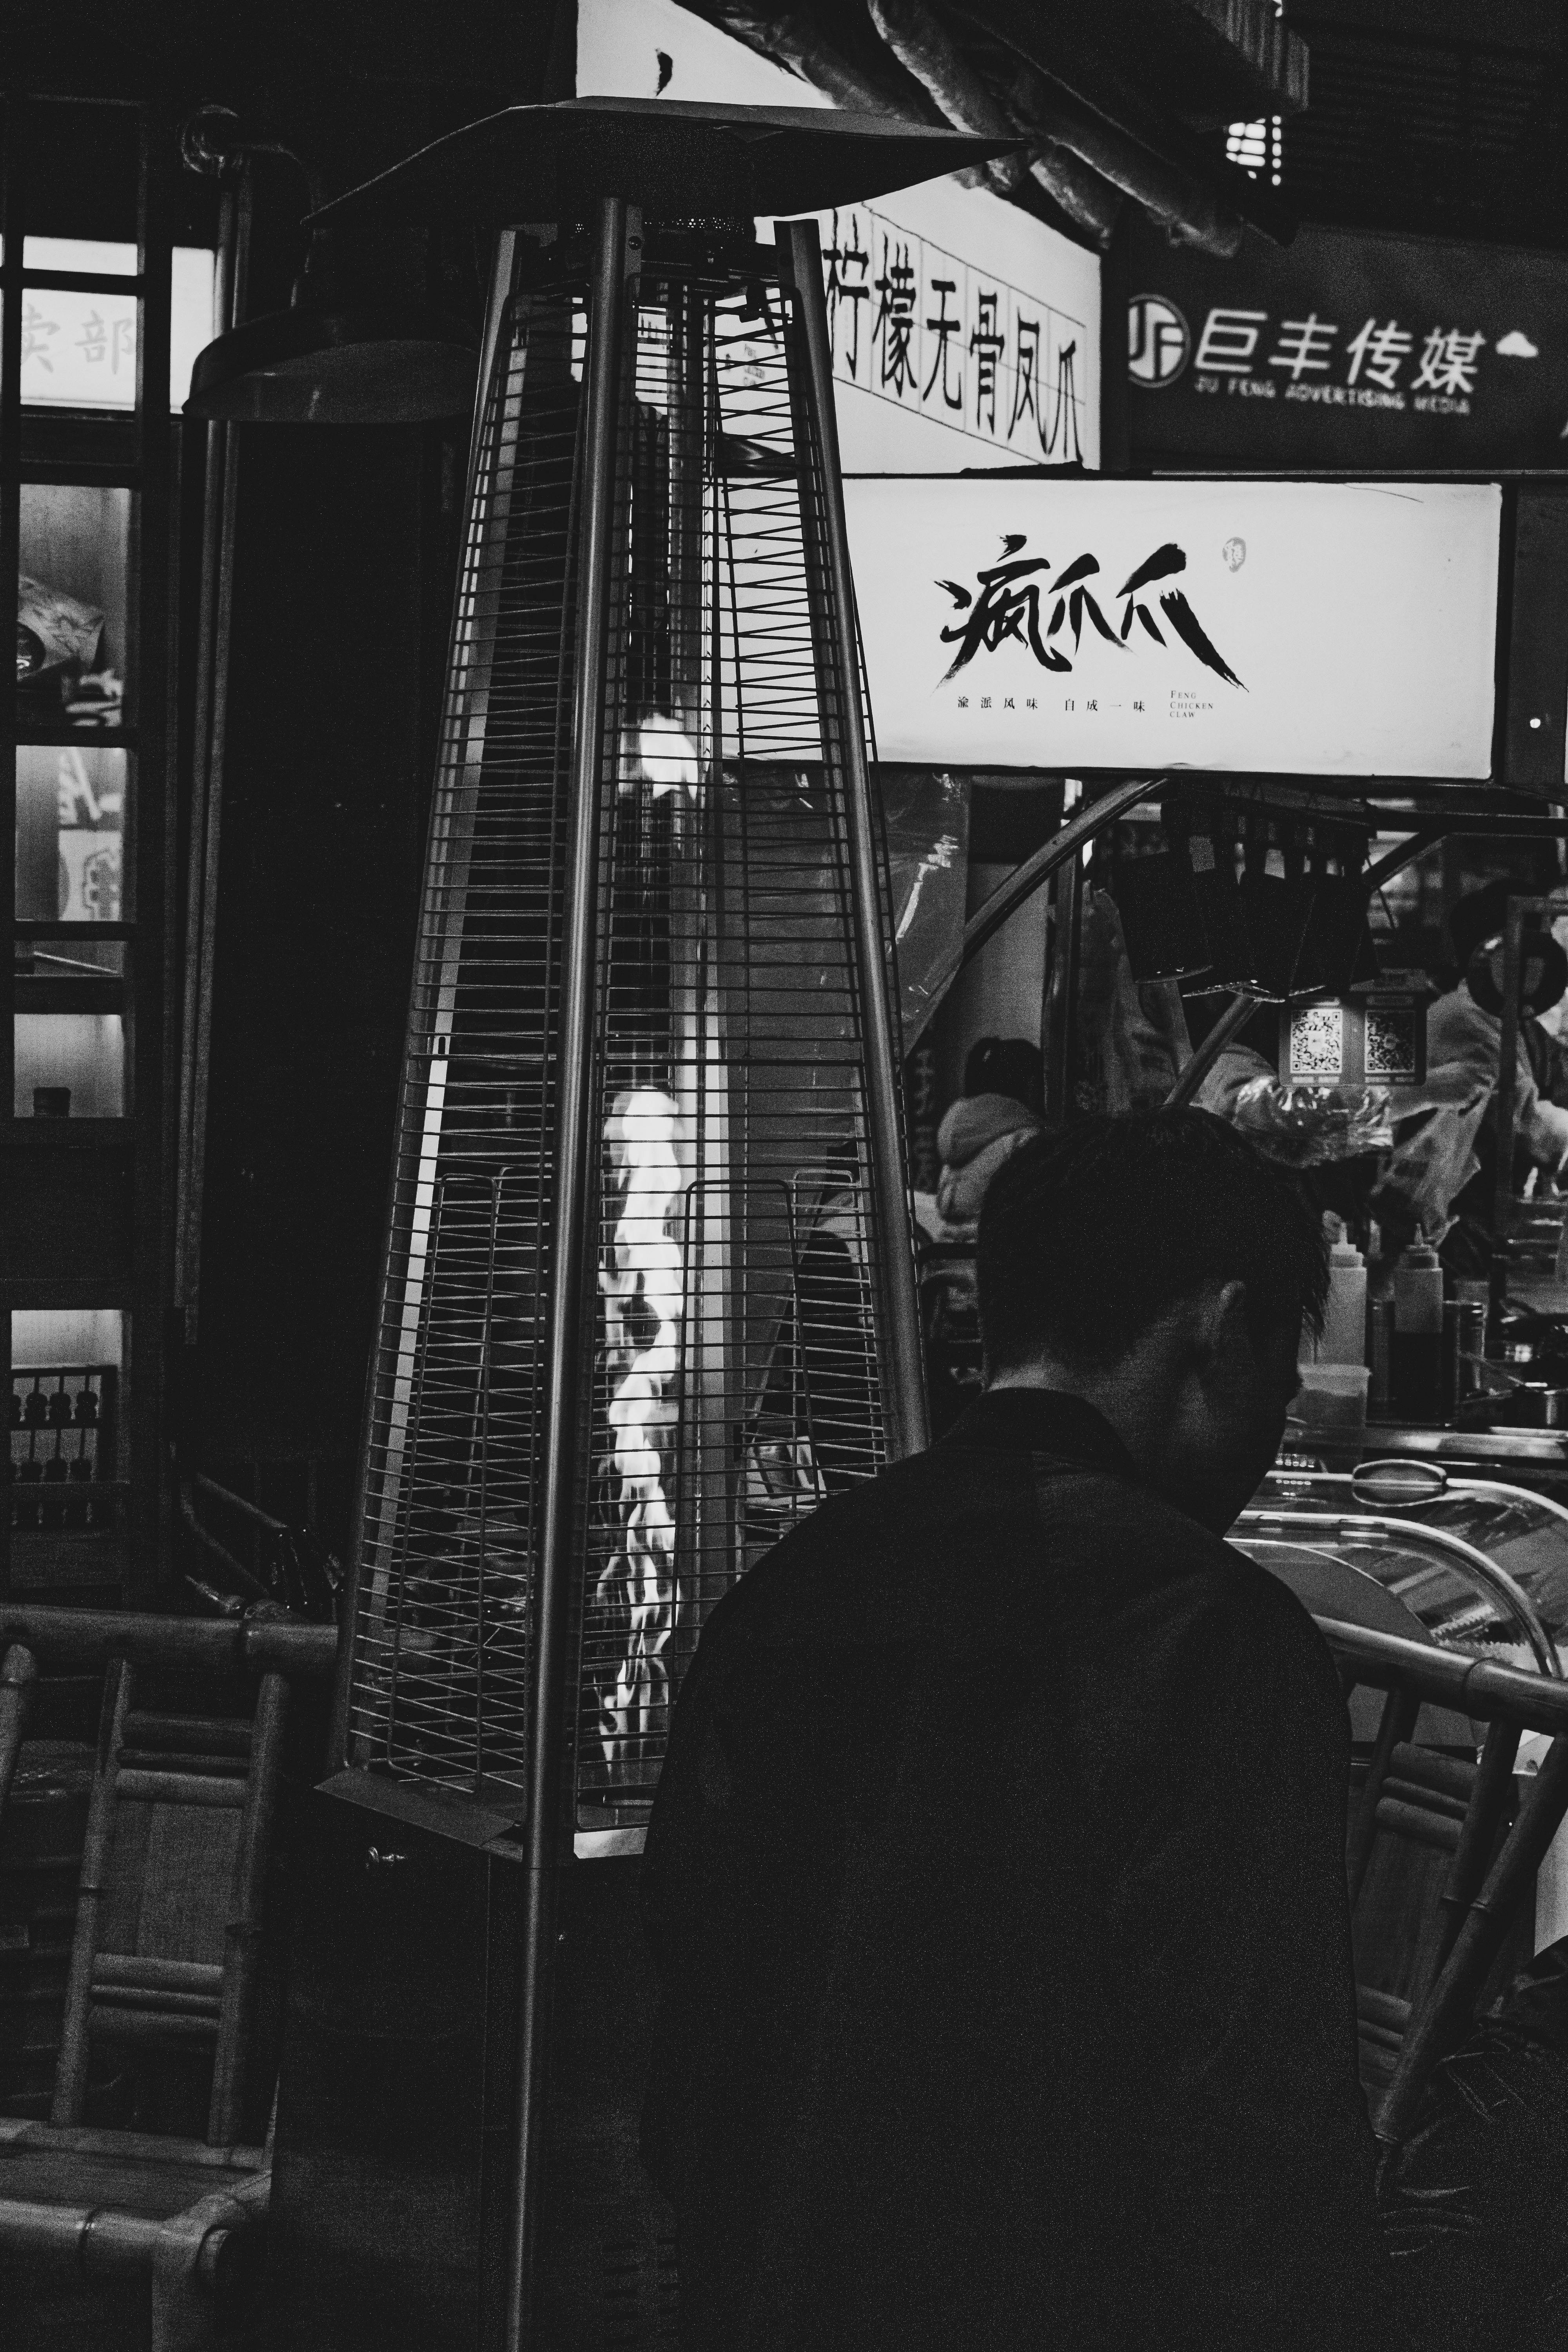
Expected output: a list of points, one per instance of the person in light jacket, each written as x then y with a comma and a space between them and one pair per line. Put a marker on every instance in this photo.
1440, 1177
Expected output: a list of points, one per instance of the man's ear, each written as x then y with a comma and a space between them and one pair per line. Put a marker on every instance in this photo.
1220, 1325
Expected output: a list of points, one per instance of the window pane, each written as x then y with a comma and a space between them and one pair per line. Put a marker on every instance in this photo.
99, 255
72, 606
79, 350
70, 827
69, 1065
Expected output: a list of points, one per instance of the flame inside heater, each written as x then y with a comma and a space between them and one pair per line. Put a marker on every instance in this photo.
643, 1288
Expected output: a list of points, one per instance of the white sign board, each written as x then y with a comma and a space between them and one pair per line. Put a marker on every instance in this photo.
964, 332
1294, 628
954, 342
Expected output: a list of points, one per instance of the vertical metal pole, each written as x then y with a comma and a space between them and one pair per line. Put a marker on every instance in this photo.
1059, 1024
1505, 1108
147, 850
901, 1329
618, 244
17, 121
201, 737
221, 501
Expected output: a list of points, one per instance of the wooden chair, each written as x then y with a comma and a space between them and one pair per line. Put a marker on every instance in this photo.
1451, 1806
169, 1919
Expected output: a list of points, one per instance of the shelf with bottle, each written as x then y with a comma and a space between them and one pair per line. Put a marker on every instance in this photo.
62, 1446
66, 1489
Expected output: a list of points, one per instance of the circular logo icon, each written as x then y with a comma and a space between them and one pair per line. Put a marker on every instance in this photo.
1158, 343
1234, 553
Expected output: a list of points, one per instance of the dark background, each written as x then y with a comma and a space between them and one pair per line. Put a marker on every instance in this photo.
345, 555
347, 543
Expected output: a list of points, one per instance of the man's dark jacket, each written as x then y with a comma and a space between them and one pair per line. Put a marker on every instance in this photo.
997, 1889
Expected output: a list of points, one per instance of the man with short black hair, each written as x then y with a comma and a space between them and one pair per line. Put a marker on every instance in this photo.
997, 1878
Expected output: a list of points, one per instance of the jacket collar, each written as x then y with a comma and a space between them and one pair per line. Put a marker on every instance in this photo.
1041, 1421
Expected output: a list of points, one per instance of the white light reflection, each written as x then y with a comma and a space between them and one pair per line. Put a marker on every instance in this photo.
663, 755
642, 1285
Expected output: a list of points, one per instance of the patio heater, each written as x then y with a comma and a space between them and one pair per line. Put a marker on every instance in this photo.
649, 1288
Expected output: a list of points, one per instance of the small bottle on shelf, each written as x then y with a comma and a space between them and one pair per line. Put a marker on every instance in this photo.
1345, 1317
1417, 1351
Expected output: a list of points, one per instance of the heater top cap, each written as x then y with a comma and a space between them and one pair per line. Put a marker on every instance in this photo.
677, 162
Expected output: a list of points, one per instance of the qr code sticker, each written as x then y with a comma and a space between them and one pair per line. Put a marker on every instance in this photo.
1316, 1043
1390, 1041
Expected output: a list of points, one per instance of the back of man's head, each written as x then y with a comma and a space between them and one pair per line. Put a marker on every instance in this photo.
1090, 1233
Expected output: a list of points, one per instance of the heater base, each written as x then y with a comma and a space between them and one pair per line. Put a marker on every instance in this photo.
393, 2172
391, 2178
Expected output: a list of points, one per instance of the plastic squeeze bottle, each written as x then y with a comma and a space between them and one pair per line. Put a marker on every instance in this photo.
1418, 1333
1344, 1317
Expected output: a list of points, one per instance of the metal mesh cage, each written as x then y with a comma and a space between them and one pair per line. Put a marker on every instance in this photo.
731, 1347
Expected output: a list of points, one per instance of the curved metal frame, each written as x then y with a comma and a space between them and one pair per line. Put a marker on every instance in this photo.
1426, 832
1499, 1587
1025, 879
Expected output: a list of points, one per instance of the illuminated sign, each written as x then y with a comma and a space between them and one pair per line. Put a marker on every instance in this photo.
1287, 629
1347, 348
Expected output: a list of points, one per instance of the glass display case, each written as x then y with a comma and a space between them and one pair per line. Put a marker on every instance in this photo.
107, 275
1404, 1548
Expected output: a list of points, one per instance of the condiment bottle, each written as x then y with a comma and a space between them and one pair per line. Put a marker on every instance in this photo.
1344, 1315
1418, 1333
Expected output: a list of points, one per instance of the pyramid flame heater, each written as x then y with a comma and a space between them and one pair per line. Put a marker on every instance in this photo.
648, 1292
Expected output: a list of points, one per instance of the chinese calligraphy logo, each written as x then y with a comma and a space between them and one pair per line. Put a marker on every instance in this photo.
1009, 599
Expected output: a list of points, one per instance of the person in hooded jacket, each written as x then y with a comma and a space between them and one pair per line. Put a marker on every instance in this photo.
1000, 1107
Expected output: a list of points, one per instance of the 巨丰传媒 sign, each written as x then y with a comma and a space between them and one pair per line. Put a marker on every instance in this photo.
1347, 348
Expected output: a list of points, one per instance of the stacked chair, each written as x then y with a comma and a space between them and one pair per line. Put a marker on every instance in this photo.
1474, 1915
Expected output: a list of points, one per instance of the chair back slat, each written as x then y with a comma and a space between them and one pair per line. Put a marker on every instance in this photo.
242, 1942
1484, 1822
70, 2073
1400, 1710
173, 1788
